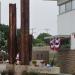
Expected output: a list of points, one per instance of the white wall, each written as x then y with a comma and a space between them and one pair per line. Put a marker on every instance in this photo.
66, 23
73, 41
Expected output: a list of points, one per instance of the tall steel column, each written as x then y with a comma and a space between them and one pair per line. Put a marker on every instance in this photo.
30, 47
24, 53
12, 33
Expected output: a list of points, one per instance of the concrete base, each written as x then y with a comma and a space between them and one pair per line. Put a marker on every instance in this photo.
9, 67
12, 69
19, 69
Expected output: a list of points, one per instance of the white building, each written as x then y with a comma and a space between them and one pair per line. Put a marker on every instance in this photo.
66, 17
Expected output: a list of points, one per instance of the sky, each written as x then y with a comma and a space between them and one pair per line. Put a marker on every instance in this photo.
43, 15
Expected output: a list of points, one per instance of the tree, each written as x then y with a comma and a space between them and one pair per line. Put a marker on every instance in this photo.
40, 40
4, 30
43, 35
3, 37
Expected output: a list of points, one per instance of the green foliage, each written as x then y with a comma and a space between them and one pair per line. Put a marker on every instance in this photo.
65, 44
3, 73
4, 29
3, 37
3, 40
34, 62
40, 40
25, 73
33, 73
42, 36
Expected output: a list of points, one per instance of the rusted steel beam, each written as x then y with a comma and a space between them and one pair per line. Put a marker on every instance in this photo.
30, 47
12, 34
24, 53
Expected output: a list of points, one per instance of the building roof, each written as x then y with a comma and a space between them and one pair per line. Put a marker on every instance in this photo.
58, 36
59, 2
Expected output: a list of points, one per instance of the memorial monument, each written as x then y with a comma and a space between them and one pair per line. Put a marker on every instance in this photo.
12, 33
12, 43
24, 53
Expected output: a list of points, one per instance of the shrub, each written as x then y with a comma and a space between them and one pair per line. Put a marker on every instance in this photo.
34, 62
25, 73
3, 73
29, 73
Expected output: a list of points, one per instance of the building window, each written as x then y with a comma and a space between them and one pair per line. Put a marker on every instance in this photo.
62, 8
73, 4
68, 6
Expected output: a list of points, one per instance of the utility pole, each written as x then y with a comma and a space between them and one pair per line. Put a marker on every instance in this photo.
32, 30
47, 30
